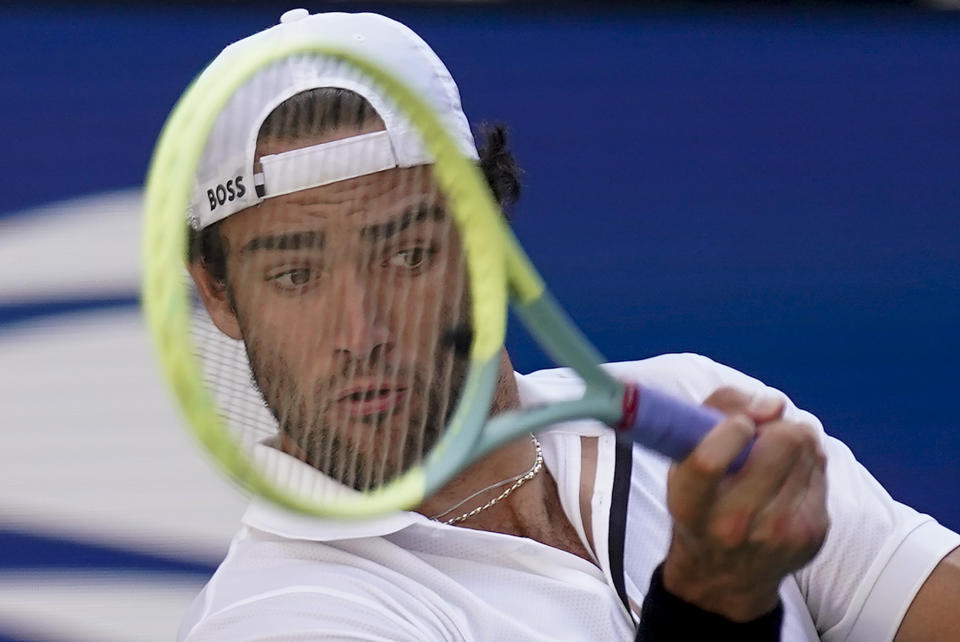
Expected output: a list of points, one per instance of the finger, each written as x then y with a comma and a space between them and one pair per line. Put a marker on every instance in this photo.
780, 450
728, 400
774, 522
761, 409
797, 523
694, 480
766, 409
812, 514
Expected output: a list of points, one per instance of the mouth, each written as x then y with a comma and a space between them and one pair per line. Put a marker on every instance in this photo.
370, 399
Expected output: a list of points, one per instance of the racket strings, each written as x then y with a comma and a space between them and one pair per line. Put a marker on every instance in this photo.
228, 376
409, 322
355, 370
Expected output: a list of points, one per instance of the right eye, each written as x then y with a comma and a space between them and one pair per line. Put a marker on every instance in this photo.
292, 279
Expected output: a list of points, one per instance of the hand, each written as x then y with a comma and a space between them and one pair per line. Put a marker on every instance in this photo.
735, 537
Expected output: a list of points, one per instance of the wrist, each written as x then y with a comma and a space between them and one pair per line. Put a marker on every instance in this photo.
667, 617
735, 597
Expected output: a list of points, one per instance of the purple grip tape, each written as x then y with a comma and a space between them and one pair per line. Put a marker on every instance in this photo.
667, 425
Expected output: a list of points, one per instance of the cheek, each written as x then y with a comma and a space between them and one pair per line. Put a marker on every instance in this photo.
419, 326
278, 326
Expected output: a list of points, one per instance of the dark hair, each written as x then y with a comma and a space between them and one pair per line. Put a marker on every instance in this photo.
318, 111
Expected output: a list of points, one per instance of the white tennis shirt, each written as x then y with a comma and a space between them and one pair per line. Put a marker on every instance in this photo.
406, 578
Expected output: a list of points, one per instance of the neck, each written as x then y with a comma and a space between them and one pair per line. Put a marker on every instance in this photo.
533, 510
511, 459
506, 396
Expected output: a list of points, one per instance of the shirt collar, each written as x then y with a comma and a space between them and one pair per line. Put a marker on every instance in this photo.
272, 518
269, 517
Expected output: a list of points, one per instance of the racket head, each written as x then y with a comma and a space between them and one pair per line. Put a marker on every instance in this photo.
170, 302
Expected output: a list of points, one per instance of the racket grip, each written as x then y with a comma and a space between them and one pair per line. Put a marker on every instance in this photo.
667, 425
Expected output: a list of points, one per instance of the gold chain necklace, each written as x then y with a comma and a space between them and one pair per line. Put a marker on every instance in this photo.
518, 481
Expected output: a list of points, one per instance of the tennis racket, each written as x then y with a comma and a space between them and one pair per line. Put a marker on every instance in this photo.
341, 355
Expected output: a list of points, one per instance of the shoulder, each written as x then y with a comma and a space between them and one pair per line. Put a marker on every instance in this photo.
878, 551
686, 375
269, 587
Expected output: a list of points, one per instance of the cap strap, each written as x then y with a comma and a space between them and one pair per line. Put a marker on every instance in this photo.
329, 162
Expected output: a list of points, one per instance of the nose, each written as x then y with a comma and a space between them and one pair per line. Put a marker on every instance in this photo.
359, 324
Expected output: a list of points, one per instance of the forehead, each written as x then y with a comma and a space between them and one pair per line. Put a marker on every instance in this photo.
345, 205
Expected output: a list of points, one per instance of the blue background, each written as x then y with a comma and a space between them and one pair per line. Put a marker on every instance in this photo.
776, 190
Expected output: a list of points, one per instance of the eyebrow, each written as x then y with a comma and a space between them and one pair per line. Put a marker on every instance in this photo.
373, 232
414, 215
291, 241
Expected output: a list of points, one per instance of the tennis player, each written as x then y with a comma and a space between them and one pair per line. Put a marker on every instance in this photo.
567, 535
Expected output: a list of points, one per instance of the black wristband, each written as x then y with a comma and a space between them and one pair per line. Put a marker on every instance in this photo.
665, 616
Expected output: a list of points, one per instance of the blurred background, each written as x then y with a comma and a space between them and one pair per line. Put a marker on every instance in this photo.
774, 186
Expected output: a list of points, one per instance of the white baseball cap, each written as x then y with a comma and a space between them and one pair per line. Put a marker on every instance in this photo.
226, 182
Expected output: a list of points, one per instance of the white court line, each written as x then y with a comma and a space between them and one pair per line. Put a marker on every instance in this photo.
93, 447
89, 246
112, 607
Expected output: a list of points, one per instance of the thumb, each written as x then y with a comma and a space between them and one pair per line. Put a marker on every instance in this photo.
693, 482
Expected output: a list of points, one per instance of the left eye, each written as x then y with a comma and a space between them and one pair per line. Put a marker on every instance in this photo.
410, 258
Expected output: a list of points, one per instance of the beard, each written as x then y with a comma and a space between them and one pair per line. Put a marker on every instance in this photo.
368, 451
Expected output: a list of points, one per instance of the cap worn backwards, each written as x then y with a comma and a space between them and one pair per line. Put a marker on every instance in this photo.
226, 182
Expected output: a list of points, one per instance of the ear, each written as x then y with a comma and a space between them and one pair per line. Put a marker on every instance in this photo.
213, 293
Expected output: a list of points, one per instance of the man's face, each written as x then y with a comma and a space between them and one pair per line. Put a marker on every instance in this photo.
351, 301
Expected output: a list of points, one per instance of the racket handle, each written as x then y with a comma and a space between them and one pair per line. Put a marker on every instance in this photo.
667, 425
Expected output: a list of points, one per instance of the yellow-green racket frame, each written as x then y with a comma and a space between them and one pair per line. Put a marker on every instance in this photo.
497, 269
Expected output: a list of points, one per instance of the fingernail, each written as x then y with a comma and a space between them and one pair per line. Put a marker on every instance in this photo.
764, 405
